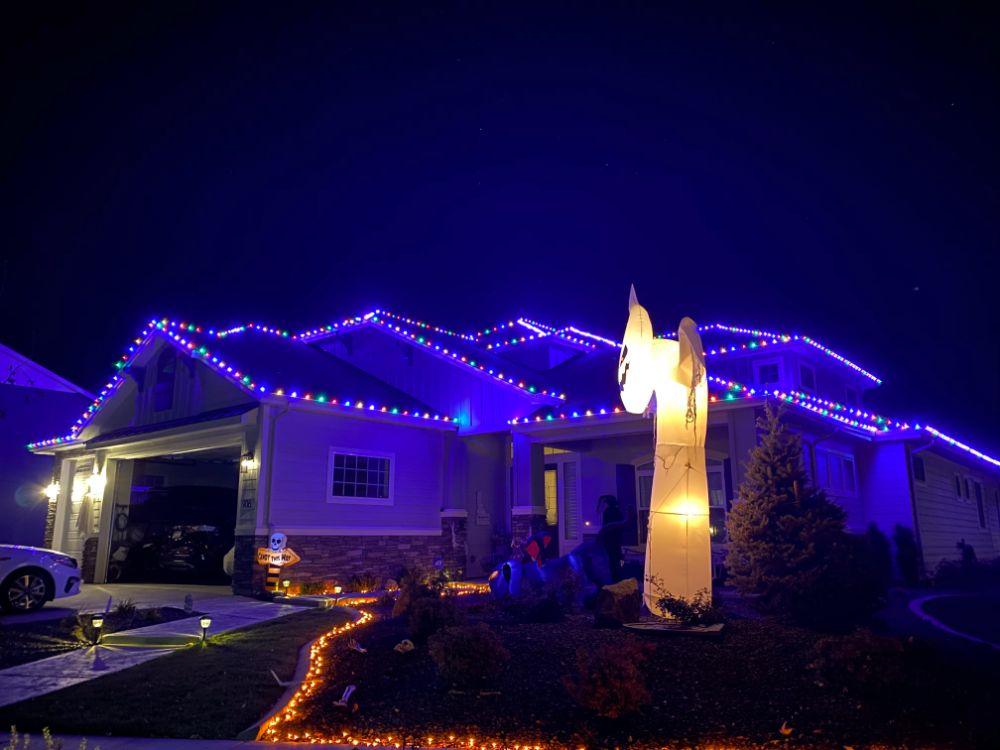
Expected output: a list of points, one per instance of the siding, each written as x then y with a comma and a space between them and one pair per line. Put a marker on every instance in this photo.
945, 518
302, 442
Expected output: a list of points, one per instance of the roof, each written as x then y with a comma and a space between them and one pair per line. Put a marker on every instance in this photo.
16, 369
263, 360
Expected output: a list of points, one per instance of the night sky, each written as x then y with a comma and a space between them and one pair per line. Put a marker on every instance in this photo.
832, 174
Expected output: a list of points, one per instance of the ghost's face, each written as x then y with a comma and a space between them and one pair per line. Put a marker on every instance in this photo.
635, 366
278, 542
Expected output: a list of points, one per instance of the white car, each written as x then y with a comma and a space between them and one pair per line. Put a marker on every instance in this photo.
31, 576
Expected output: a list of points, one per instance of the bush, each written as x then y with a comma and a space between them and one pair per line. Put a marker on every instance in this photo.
544, 601
860, 663
429, 614
363, 583
698, 611
609, 680
907, 555
126, 609
966, 574
414, 584
468, 656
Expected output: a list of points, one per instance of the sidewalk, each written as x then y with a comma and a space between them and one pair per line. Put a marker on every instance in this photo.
57, 672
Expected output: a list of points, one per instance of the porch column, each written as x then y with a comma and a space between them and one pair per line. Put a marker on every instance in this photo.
528, 507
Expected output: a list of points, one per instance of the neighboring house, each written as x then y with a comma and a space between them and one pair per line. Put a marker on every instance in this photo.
382, 441
32, 399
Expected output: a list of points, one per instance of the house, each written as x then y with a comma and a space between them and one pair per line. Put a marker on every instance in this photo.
380, 441
32, 399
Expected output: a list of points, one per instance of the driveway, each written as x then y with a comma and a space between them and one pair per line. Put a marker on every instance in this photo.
93, 597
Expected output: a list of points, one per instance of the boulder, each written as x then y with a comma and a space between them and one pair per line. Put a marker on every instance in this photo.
618, 603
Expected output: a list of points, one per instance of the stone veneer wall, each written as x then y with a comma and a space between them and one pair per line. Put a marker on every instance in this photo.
337, 558
521, 527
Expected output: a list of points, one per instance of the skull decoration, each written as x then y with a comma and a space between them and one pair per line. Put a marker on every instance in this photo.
278, 542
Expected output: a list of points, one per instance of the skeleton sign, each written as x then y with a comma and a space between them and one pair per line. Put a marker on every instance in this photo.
678, 545
278, 542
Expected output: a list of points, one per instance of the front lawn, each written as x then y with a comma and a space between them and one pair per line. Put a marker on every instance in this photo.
22, 643
763, 683
211, 691
974, 614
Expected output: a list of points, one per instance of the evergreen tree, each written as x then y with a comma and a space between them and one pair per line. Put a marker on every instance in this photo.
786, 540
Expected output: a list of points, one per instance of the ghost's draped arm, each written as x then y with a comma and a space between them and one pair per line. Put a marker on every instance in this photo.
691, 358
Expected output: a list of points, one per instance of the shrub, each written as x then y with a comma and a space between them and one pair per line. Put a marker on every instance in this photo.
363, 583
315, 588
963, 574
468, 656
861, 662
907, 555
429, 614
609, 680
698, 611
543, 601
126, 608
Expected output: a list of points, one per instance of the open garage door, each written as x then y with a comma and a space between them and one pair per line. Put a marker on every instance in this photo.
174, 518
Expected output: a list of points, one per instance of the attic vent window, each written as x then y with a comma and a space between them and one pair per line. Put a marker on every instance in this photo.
163, 387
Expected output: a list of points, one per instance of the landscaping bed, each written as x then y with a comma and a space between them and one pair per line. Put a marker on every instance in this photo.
763, 683
216, 690
31, 641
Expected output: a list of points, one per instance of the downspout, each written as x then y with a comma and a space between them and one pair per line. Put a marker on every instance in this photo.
270, 462
910, 452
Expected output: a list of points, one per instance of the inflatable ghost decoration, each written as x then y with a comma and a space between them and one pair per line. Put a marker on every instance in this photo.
678, 545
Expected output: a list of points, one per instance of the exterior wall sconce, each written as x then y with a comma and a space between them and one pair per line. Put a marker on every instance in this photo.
247, 462
97, 622
206, 623
52, 491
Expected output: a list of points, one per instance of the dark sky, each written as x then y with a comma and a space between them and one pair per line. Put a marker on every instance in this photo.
831, 172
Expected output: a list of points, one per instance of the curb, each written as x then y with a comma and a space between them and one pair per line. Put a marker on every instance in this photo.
916, 607
255, 731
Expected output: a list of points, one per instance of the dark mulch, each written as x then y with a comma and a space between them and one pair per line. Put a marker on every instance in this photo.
739, 691
20, 644
975, 614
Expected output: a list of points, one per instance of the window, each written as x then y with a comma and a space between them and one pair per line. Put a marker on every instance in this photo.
807, 378
979, 505
163, 386
851, 396
919, 475
958, 486
835, 471
356, 478
996, 502
968, 494
767, 373
551, 494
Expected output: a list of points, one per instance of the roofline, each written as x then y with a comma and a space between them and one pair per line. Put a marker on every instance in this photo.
58, 378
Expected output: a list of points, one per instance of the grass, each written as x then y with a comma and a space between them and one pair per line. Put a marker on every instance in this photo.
215, 691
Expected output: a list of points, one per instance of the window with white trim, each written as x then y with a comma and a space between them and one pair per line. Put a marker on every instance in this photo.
979, 504
363, 478
958, 486
836, 471
851, 396
919, 471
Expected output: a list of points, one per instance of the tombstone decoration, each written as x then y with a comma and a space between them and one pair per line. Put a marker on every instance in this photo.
678, 544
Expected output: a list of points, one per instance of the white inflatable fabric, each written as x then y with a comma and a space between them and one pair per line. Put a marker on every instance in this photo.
678, 545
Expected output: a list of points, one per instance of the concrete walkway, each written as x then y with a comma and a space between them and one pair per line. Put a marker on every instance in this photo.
36, 678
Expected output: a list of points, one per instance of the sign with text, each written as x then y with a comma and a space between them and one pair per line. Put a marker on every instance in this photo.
277, 558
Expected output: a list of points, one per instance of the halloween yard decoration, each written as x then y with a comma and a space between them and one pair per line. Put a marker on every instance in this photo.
678, 546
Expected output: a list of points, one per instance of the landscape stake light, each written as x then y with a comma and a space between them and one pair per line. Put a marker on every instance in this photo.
206, 623
285, 584
97, 621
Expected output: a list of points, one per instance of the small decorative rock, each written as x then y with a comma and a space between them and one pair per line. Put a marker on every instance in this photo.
618, 603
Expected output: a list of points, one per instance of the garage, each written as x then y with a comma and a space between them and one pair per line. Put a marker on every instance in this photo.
174, 517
